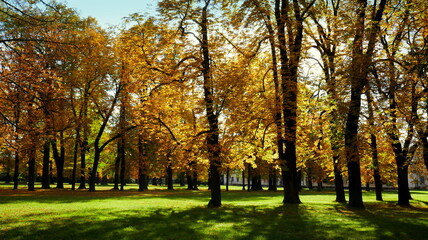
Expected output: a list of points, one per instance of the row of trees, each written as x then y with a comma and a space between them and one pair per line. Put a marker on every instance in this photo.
279, 88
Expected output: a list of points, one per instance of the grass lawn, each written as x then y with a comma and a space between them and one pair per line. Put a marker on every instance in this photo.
182, 214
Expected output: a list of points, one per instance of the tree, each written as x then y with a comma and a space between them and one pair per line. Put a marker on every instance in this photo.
358, 79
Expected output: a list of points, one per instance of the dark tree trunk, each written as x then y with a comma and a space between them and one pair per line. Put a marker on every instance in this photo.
213, 145
336, 143
249, 177
8, 167
373, 146
182, 179
327, 49
169, 174
310, 186
423, 137
272, 179
75, 156
338, 183
403, 185
17, 112
142, 171
32, 165
189, 180
195, 179
358, 77
254, 183
45, 166
319, 186
358, 80
93, 171
104, 180
278, 105
299, 183
16, 171
83, 149
289, 72
51, 173
227, 179
59, 158
122, 142
117, 167
122, 163
243, 179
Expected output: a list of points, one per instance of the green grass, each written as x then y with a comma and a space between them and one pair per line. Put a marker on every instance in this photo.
182, 214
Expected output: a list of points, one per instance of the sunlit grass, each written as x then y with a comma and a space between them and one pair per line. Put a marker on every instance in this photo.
182, 214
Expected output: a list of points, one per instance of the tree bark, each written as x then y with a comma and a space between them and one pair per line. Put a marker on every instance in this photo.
8, 167
32, 165
249, 177
142, 157
59, 157
195, 179
243, 180
16, 171
289, 66
75, 156
227, 179
45, 166
117, 167
169, 174
212, 139
83, 149
373, 146
189, 180
351, 130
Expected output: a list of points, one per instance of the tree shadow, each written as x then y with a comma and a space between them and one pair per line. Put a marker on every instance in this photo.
229, 222
391, 221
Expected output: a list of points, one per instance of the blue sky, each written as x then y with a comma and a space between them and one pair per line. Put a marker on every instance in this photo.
111, 12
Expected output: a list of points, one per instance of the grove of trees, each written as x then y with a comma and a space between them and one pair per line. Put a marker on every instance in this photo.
329, 90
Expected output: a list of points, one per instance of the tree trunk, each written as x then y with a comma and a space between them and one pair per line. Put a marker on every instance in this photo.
17, 112
117, 167
75, 156
16, 171
213, 145
227, 179
249, 177
195, 179
142, 171
93, 171
272, 179
319, 186
189, 180
358, 80
373, 146
45, 166
310, 186
83, 149
243, 180
403, 184
289, 73
8, 167
59, 158
169, 175
182, 179
32, 165
423, 137
122, 163
335, 148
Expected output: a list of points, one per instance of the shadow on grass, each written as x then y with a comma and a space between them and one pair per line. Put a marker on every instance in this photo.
391, 221
69, 196
229, 222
